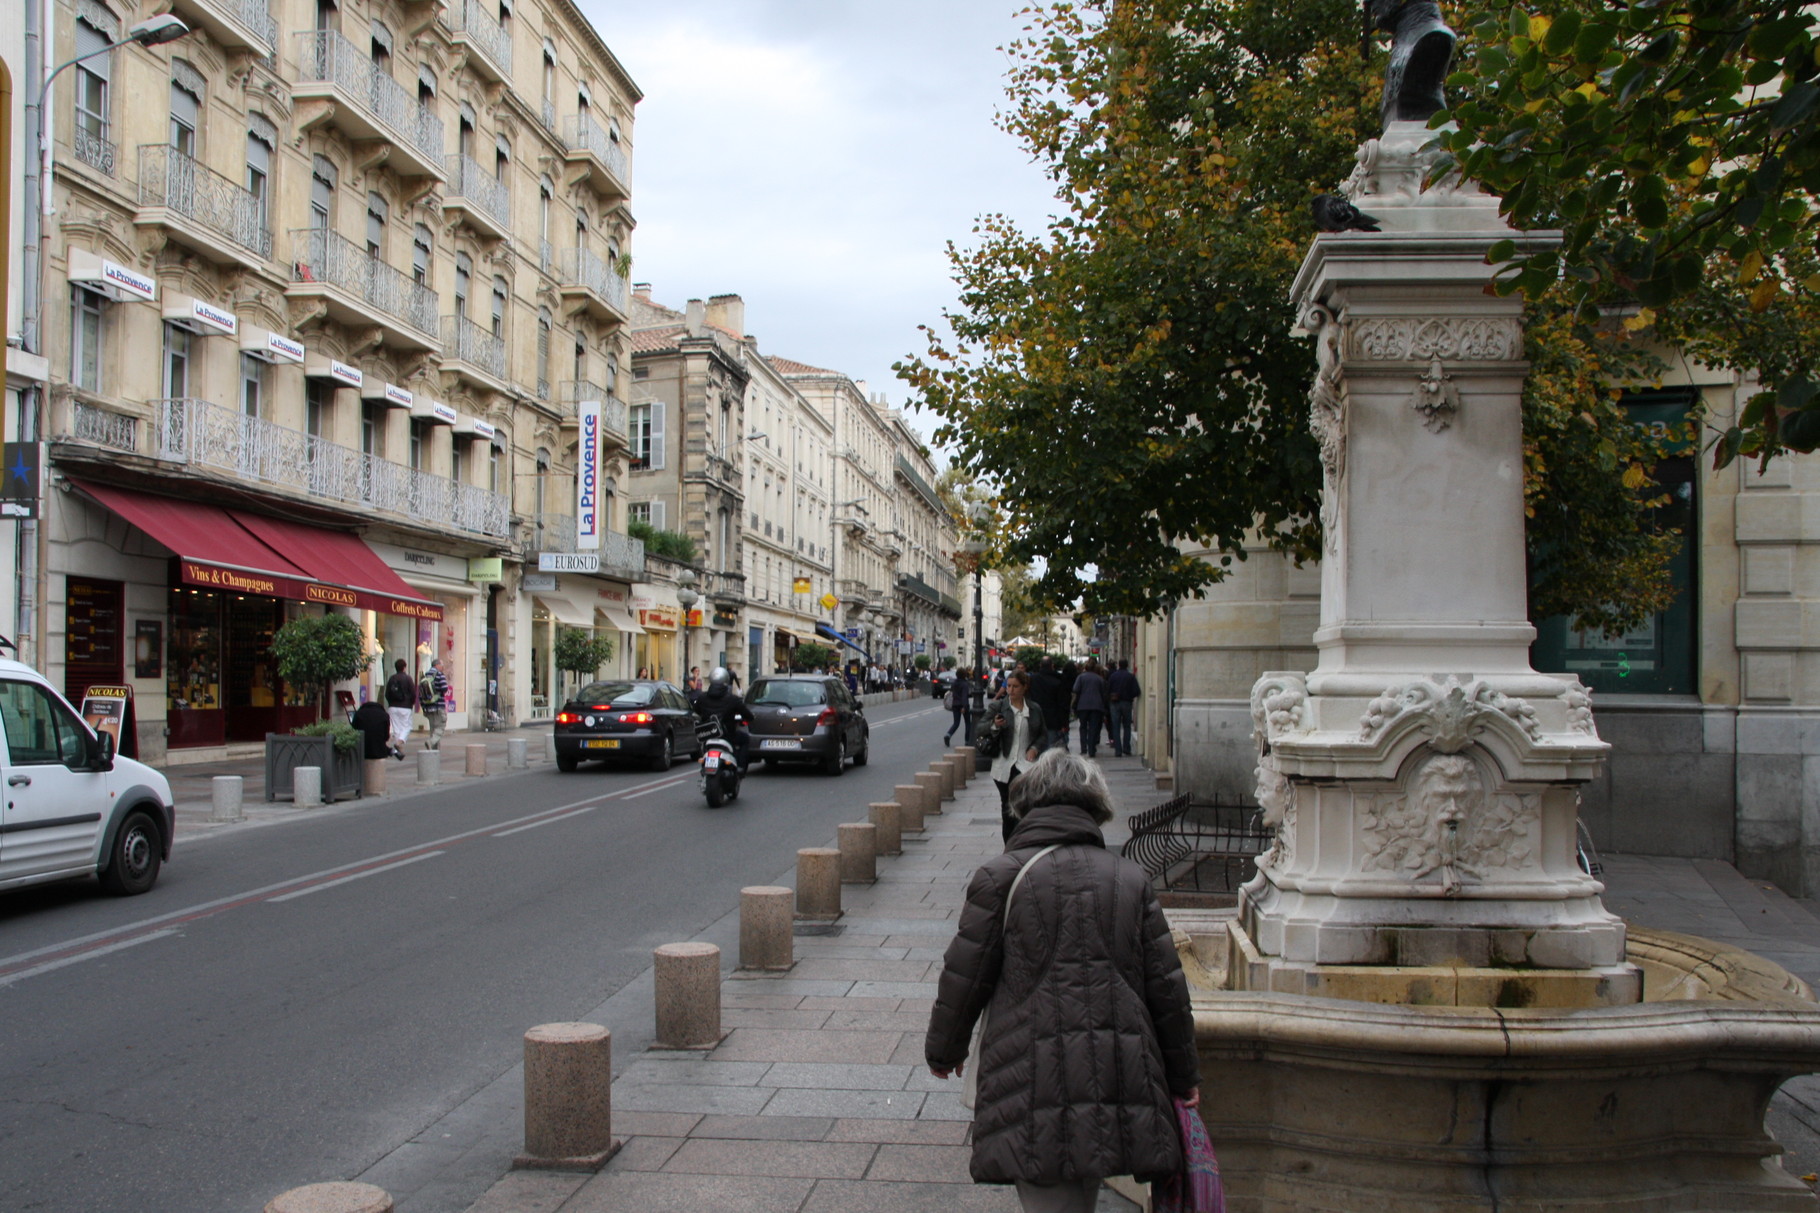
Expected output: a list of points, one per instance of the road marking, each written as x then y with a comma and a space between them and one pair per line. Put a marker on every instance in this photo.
658, 788
330, 884
906, 716
66, 961
546, 821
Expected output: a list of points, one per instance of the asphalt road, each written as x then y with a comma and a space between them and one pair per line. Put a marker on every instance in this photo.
294, 1001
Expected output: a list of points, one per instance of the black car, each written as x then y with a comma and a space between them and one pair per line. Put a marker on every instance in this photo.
639, 719
807, 718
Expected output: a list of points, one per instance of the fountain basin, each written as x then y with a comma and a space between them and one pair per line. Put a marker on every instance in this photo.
1365, 1107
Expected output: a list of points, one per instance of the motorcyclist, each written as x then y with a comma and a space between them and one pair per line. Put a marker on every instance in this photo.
723, 703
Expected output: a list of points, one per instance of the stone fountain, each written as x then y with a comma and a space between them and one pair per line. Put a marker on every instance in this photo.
1422, 1003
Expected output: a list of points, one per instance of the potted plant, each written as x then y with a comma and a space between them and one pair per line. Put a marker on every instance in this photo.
313, 653
580, 654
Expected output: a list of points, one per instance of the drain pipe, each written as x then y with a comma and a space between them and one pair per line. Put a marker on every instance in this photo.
28, 535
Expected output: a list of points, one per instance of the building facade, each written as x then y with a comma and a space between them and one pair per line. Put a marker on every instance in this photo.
346, 316
924, 533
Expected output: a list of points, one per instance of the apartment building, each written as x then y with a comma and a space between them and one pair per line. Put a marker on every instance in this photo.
346, 324
925, 533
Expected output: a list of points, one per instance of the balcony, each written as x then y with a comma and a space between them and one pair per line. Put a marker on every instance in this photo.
234, 24
489, 46
854, 592
338, 84
479, 199
474, 353
204, 435
598, 158
620, 555
589, 284
613, 425
93, 150
727, 589
360, 289
915, 480
201, 209
100, 427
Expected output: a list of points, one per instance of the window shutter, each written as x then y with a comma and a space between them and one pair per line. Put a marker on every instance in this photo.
657, 515
657, 434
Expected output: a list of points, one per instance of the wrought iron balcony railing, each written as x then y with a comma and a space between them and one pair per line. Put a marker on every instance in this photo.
172, 180
582, 268
324, 56
92, 150
583, 133
466, 341
472, 21
102, 427
318, 255
473, 185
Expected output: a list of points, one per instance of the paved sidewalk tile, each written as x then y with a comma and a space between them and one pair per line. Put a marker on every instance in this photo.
768, 1044
664, 1192
836, 1196
769, 1128
883, 1105
921, 1164
784, 1159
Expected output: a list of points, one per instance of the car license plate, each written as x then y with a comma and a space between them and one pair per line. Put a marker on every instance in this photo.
601, 743
780, 743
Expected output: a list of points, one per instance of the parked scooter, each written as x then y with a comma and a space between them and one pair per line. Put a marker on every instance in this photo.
720, 773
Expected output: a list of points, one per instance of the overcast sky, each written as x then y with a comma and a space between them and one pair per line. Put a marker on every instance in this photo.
813, 157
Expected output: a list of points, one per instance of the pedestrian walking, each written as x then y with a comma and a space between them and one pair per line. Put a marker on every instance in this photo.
375, 726
1065, 959
1017, 719
400, 698
433, 702
959, 701
1122, 693
1047, 689
1090, 706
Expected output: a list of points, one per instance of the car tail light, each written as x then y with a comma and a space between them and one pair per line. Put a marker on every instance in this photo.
826, 718
602, 707
566, 718
636, 718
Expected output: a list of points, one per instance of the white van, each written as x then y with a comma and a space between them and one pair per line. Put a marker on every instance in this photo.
72, 807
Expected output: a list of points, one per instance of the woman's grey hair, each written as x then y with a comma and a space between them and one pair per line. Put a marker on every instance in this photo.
1058, 777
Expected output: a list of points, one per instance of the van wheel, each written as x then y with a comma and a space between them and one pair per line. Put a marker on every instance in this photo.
135, 857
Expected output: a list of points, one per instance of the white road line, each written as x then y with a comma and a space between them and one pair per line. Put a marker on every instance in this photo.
329, 884
66, 961
660, 787
547, 821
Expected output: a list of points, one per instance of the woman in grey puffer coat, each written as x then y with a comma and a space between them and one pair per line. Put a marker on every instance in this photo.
1089, 1031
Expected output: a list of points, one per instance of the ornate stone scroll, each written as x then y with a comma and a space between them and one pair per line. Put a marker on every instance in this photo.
1419, 339
1327, 412
1450, 712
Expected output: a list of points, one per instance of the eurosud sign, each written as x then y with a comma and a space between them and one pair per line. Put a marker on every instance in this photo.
587, 476
568, 562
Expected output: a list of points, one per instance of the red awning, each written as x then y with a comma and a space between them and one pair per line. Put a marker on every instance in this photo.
339, 559
214, 550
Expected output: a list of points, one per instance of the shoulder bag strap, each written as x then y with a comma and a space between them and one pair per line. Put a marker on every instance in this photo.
1020, 875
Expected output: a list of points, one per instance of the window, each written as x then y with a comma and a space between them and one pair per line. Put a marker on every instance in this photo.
549, 83
176, 361
88, 312
376, 218
92, 77
494, 462
581, 361
186, 115
612, 373
464, 138
327, 15
258, 172
543, 474
647, 426
318, 407
499, 307
426, 85
545, 192
581, 227
458, 460
39, 730
543, 353
505, 16
372, 427
639, 511
382, 47
253, 374
420, 443
420, 255
322, 194
502, 157
464, 282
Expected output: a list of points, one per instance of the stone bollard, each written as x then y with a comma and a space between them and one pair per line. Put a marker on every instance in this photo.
945, 769
306, 787
476, 759
767, 928
688, 995
228, 795
568, 1098
910, 801
886, 815
518, 755
372, 777
331, 1198
818, 883
429, 768
931, 783
970, 761
858, 852
549, 747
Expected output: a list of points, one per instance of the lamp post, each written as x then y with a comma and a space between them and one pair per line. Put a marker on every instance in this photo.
977, 513
687, 598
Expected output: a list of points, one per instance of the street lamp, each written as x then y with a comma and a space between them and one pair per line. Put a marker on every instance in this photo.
977, 513
686, 595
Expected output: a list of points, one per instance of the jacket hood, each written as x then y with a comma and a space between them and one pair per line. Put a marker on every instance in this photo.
1056, 824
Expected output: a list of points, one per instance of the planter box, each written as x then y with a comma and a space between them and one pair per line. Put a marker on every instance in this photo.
285, 752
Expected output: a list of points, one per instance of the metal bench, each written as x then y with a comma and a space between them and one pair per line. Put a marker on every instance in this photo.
1200, 848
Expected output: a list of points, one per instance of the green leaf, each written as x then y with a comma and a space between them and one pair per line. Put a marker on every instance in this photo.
1795, 393
1661, 49
1593, 40
1796, 104
1562, 33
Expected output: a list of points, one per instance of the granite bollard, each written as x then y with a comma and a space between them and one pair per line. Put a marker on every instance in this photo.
931, 783
767, 927
372, 777
331, 1198
911, 803
818, 883
568, 1098
888, 817
970, 760
549, 747
476, 757
945, 769
517, 753
858, 852
688, 995
306, 787
429, 768
227, 795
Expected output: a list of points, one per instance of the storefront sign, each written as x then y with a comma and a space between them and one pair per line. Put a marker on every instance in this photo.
209, 316
829, 602
113, 279
283, 349
484, 570
398, 397
334, 595
104, 708
800, 586
270, 585
725, 620
148, 648
694, 618
341, 372
610, 594
568, 562
538, 582
20, 480
587, 477
659, 617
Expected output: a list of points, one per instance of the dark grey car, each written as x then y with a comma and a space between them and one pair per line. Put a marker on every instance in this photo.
807, 718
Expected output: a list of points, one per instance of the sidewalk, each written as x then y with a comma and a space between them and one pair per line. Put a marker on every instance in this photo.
817, 1099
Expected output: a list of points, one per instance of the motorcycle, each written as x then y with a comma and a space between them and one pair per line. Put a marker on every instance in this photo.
720, 773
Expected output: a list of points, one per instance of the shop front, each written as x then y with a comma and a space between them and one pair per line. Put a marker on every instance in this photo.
234, 578
656, 649
457, 638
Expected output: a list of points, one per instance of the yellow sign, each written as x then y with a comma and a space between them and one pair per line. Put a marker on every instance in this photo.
800, 586
829, 601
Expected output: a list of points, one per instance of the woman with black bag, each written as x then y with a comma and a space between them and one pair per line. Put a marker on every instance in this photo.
1017, 725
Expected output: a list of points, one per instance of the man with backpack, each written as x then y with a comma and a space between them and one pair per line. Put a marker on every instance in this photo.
433, 701
400, 698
